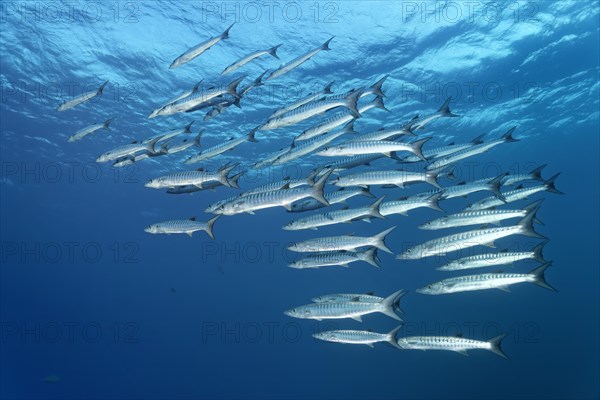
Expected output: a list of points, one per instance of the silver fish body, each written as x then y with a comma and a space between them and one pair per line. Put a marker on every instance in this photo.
349, 309
89, 130
496, 280
195, 51
451, 343
287, 67
339, 243
82, 98
187, 226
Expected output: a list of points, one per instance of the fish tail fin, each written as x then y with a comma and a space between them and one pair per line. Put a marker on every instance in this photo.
251, 134
370, 256
236, 102
352, 102
349, 127
378, 103
380, 240
550, 185
233, 181
432, 179
507, 137
450, 174
444, 110
101, 88
538, 254
376, 87
223, 172
417, 147
391, 304
374, 208
495, 343
232, 87
209, 226
198, 137
258, 81
494, 186
318, 187
392, 336
225, 35
273, 52
526, 224
327, 89
151, 144
478, 139
433, 202
325, 46
534, 206
539, 278
536, 174
188, 127
106, 123
366, 192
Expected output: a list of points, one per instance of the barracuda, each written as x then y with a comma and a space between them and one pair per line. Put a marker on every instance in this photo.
283, 197
196, 178
128, 151
472, 151
307, 99
199, 49
337, 197
397, 178
403, 206
89, 130
463, 189
296, 62
338, 119
172, 133
534, 175
464, 240
452, 343
515, 195
156, 111
339, 243
478, 217
336, 258
187, 226
250, 57
497, 280
358, 337
201, 98
221, 148
82, 98
309, 146
504, 257
312, 109
437, 152
172, 148
350, 309
233, 181
385, 147
336, 217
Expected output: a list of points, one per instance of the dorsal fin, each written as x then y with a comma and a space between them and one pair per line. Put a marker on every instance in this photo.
192, 218
461, 183
519, 187
370, 293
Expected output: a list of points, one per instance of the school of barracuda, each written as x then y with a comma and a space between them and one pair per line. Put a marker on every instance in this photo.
411, 160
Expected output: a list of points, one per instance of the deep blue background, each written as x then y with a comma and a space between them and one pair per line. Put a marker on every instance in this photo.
191, 318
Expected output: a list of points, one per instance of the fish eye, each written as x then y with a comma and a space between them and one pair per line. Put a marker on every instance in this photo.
429, 286
293, 310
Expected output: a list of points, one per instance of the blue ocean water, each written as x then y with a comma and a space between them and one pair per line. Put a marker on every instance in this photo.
92, 306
